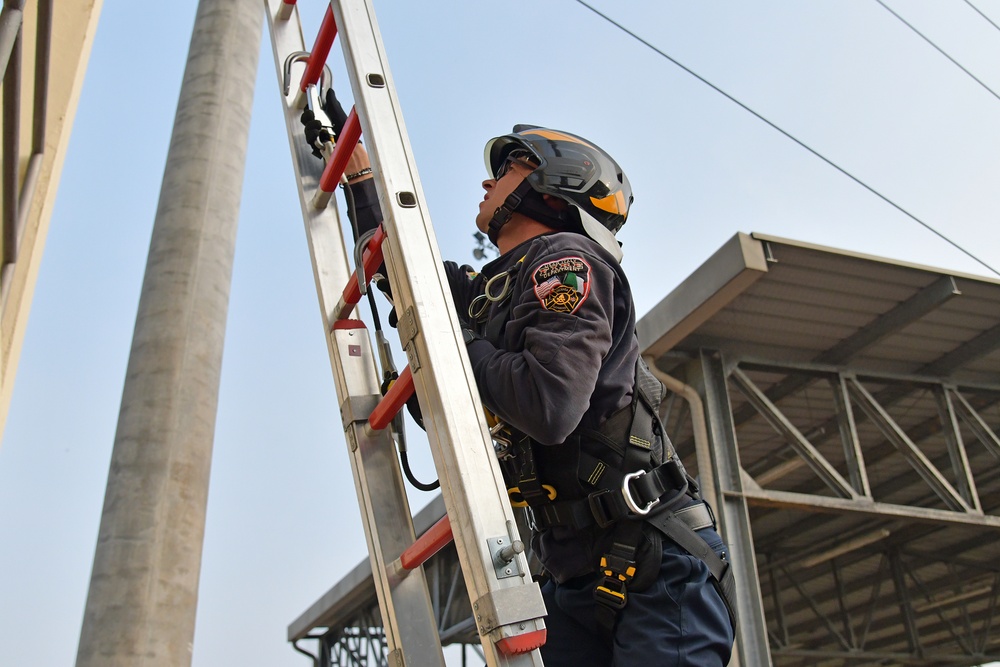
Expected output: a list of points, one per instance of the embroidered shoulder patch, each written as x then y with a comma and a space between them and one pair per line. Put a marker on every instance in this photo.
562, 285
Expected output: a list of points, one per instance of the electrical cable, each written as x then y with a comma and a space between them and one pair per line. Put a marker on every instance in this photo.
980, 12
789, 136
404, 458
940, 50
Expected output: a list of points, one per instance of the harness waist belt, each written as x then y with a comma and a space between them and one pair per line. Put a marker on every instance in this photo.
580, 514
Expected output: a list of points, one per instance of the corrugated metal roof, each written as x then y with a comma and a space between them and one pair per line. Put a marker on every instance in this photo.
802, 324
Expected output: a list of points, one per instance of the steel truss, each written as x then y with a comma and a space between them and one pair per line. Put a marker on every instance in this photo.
360, 640
862, 509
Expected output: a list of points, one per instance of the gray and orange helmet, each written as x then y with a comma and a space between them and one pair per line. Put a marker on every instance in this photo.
574, 170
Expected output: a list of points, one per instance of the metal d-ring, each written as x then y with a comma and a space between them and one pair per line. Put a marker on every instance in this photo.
627, 494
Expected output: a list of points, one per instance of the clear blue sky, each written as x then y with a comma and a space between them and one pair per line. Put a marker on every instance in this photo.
845, 77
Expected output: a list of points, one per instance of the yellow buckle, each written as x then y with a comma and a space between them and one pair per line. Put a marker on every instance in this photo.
519, 500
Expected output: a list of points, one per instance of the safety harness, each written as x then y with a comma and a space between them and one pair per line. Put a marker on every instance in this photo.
628, 483
628, 476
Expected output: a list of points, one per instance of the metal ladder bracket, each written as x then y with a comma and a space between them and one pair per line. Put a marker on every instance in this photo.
509, 607
358, 408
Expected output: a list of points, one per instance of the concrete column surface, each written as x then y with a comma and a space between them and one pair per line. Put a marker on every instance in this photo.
144, 585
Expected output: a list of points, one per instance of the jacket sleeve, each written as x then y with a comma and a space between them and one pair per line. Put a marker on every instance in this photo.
465, 285
368, 212
559, 332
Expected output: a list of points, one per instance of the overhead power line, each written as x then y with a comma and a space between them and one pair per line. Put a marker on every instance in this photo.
789, 136
980, 12
940, 50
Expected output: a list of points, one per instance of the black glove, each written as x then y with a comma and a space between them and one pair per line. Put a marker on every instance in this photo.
336, 112
316, 132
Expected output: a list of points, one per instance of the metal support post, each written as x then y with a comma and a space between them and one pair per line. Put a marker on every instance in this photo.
752, 643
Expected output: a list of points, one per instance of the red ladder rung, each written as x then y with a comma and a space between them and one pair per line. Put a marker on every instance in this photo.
428, 544
393, 401
320, 50
346, 143
372, 260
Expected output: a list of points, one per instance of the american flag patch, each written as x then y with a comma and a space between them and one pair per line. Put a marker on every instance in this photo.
543, 290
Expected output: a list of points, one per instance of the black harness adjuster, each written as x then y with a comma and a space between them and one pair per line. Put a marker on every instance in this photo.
606, 506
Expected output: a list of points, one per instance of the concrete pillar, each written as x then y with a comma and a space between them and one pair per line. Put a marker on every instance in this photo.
144, 585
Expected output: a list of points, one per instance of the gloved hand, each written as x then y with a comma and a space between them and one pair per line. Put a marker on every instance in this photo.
335, 111
318, 132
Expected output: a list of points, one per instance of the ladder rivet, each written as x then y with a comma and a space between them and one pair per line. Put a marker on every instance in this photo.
376, 80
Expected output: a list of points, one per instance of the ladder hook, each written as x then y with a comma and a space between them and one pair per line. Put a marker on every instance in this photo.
298, 56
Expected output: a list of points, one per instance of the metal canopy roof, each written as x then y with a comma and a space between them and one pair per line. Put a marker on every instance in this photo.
860, 399
781, 299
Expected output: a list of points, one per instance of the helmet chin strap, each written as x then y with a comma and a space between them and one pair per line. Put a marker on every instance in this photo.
501, 216
534, 207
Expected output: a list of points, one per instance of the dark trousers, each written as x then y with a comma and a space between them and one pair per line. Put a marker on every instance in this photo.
679, 621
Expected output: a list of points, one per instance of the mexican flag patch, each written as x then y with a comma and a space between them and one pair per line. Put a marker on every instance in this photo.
562, 285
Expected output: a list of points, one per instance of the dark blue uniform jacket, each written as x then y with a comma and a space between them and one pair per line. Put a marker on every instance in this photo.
558, 354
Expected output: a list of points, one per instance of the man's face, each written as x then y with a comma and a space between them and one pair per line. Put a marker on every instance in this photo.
511, 175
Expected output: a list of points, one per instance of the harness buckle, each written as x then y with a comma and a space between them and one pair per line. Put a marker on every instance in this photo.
611, 593
627, 494
618, 572
602, 507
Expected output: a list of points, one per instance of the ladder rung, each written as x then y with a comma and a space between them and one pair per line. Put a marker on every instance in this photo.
285, 10
372, 260
428, 544
320, 51
346, 143
393, 401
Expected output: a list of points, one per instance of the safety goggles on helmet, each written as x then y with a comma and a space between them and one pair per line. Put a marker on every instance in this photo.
525, 157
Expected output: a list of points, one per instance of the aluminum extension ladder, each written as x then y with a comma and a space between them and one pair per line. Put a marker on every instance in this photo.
507, 604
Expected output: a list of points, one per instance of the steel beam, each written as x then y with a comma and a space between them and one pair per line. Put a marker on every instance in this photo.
752, 643
956, 448
848, 426
907, 312
813, 458
916, 458
983, 432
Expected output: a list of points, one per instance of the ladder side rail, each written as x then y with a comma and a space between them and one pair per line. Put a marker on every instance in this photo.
471, 483
323, 226
408, 617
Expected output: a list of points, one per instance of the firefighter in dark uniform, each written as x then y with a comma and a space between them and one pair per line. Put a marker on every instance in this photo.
550, 333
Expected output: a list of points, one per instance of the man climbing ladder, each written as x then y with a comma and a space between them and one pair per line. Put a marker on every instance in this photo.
508, 606
634, 569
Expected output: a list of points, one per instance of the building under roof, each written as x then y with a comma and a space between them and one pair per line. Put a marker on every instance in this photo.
841, 411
